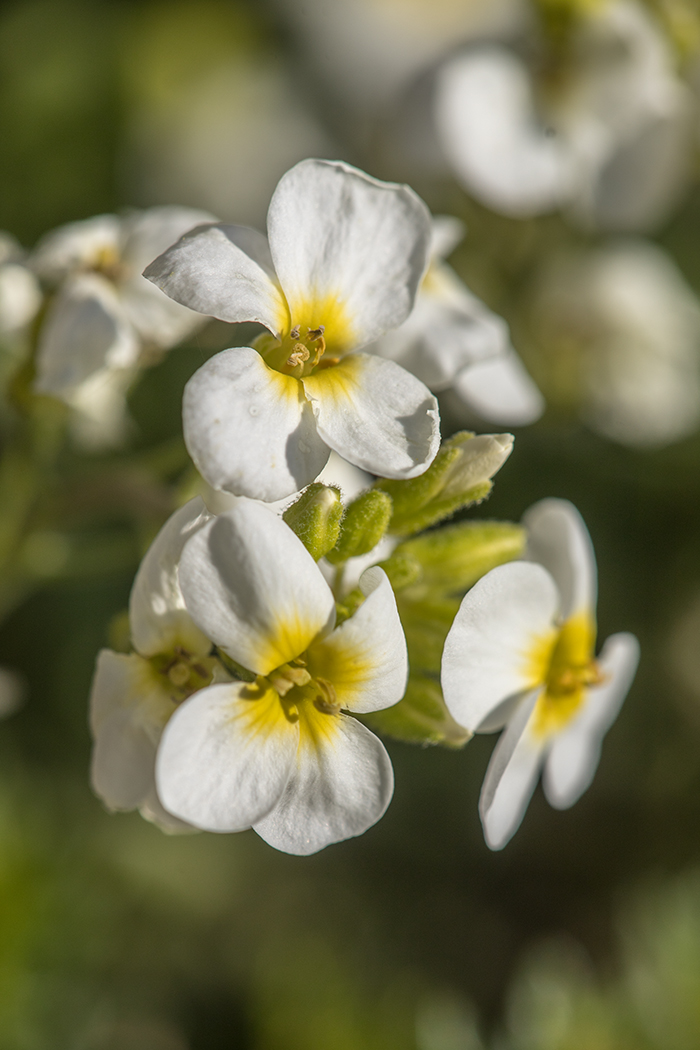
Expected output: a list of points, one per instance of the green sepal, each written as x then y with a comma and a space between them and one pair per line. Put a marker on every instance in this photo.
439, 509
236, 670
365, 523
458, 477
315, 518
402, 568
350, 603
420, 718
426, 617
453, 558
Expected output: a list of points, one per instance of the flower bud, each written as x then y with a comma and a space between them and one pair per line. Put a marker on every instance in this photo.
315, 518
453, 558
366, 521
458, 476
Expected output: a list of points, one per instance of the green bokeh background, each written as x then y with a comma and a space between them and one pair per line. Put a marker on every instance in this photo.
584, 933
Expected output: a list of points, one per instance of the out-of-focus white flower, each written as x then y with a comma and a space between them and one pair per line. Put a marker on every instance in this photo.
608, 136
20, 295
345, 256
133, 695
278, 754
520, 654
624, 325
369, 50
451, 339
104, 317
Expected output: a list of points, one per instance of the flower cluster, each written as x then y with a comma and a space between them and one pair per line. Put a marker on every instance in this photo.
269, 638
238, 705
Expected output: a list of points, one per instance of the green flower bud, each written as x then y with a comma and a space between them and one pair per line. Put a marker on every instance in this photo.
315, 518
421, 717
365, 523
451, 559
458, 476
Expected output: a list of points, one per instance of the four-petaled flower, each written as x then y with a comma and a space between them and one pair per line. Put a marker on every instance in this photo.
277, 753
133, 695
345, 256
520, 654
102, 315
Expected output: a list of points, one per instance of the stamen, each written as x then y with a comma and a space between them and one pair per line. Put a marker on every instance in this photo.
298, 356
327, 700
295, 332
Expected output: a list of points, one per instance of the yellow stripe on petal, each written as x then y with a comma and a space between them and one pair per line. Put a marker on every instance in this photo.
318, 729
263, 713
348, 668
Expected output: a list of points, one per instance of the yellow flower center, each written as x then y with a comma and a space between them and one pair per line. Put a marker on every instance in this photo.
319, 334
563, 662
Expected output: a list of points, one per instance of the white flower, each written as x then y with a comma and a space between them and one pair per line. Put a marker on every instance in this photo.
345, 256
369, 51
630, 325
20, 296
134, 695
451, 339
609, 135
103, 315
520, 654
278, 754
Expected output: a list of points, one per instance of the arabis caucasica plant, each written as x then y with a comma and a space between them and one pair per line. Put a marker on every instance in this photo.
102, 316
452, 340
521, 655
134, 695
278, 753
341, 265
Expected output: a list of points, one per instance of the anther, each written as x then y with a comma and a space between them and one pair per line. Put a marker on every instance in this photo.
295, 332
316, 333
298, 356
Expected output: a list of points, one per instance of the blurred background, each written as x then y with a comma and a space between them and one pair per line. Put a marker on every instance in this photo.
585, 931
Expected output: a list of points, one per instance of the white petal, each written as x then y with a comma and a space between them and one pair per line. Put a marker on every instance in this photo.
77, 246
341, 784
20, 297
501, 391
13, 691
100, 417
490, 134
254, 589
338, 236
448, 330
85, 330
511, 777
559, 540
157, 614
123, 761
376, 415
225, 757
485, 659
447, 233
250, 430
222, 271
146, 234
152, 809
365, 659
127, 712
574, 756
